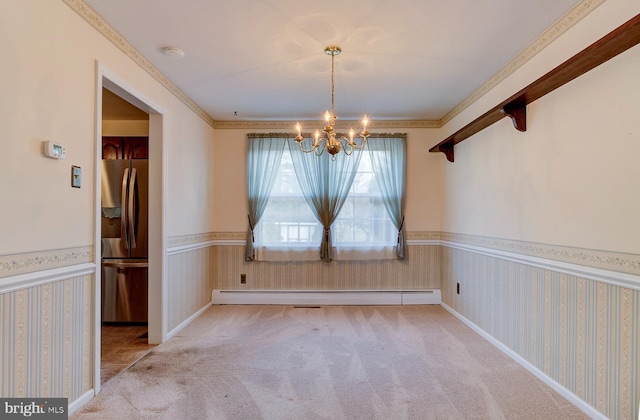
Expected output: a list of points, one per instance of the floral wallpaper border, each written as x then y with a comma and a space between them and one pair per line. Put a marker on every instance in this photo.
423, 236
11, 265
182, 240
625, 263
605, 260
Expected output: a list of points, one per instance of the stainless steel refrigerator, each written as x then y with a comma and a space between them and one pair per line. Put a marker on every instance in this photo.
125, 209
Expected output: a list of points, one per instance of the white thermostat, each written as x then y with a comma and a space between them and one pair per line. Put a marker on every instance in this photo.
54, 150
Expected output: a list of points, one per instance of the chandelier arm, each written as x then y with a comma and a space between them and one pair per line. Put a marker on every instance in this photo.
349, 147
306, 151
321, 149
356, 146
346, 141
348, 144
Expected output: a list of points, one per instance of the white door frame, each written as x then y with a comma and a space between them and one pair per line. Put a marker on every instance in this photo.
157, 315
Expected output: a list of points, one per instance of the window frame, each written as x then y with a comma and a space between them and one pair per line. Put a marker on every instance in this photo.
308, 250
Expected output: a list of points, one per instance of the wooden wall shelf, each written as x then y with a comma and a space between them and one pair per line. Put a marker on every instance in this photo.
515, 107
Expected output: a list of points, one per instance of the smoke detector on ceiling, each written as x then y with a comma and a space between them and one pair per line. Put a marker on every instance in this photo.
173, 52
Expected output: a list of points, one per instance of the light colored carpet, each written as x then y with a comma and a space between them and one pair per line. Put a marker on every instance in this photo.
333, 362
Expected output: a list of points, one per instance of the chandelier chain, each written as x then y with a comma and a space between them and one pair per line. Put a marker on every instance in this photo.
333, 59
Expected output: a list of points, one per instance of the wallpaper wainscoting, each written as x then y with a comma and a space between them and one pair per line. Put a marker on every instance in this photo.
419, 271
46, 338
583, 334
189, 284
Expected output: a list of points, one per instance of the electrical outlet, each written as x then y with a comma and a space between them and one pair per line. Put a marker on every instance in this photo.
243, 278
458, 288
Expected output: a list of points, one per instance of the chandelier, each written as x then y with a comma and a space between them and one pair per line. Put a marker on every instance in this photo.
333, 144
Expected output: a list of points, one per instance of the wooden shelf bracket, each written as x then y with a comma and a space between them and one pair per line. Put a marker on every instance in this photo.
517, 111
447, 149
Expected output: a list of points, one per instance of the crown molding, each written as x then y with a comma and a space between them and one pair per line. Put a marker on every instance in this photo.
95, 20
288, 125
561, 26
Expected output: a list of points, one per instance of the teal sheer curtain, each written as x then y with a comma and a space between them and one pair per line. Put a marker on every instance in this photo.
325, 182
389, 160
264, 154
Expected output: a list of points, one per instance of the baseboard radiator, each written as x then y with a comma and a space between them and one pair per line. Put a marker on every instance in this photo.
326, 297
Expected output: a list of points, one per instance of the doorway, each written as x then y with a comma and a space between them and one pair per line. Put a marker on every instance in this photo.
132, 333
124, 233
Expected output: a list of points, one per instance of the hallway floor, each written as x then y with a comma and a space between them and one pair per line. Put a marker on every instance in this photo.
122, 346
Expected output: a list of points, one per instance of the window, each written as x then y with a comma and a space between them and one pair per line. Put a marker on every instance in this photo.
363, 220
287, 221
288, 229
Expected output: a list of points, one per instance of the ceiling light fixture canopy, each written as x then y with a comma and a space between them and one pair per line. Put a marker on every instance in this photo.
173, 52
333, 144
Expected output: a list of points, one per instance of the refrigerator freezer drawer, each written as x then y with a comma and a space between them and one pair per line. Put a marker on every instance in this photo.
124, 291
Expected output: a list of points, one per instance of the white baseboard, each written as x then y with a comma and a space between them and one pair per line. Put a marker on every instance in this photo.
570, 396
187, 321
326, 297
79, 402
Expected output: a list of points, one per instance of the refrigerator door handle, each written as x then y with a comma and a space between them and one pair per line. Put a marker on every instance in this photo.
131, 207
123, 211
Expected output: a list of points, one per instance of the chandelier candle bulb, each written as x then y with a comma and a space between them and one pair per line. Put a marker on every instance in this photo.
365, 133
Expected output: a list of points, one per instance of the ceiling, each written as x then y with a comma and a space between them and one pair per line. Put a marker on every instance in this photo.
263, 60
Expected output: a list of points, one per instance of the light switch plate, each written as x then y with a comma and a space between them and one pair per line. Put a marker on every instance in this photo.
76, 176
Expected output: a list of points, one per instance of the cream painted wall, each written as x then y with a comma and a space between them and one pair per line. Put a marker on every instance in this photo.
125, 128
191, 186
49, 60
424, 180
571, 179
41, 100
